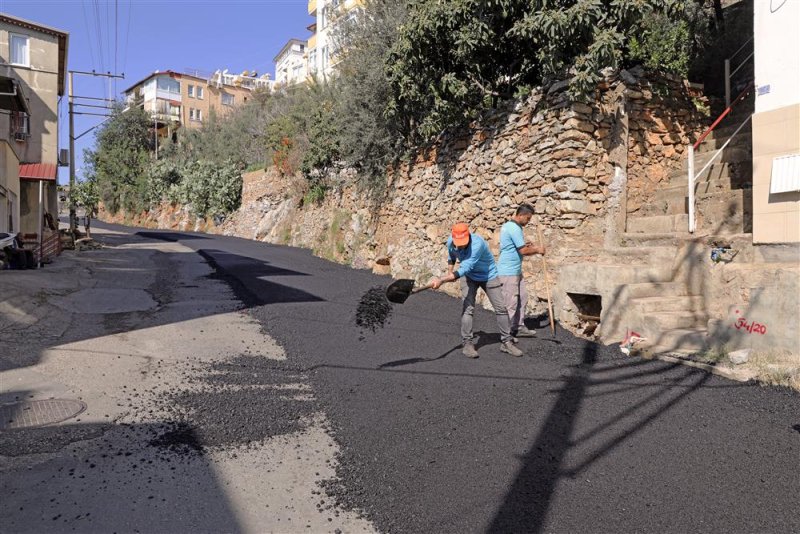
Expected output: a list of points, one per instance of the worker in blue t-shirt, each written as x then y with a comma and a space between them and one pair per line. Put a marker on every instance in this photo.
476, 270
509, 268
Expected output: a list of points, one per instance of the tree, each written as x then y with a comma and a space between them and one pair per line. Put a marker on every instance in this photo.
369, 139
118, 162
85, 195
454, 57
324, 148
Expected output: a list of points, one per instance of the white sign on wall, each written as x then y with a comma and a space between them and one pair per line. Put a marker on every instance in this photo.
777, 53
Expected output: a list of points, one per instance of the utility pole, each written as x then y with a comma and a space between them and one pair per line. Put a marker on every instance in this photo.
73, 220
72, 215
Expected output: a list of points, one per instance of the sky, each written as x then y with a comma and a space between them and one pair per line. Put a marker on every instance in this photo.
160, 35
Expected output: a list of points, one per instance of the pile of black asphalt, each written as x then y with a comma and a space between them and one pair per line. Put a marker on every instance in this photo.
573, 437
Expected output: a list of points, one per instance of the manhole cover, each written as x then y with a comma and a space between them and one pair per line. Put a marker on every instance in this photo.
29, 414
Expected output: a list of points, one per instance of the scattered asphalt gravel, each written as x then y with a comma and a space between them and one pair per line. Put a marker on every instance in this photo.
575, 437
373, 310
235, 403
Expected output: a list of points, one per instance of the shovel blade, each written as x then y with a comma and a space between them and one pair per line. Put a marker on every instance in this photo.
399, 290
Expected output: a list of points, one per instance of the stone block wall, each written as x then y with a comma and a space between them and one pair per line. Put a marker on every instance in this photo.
579, 165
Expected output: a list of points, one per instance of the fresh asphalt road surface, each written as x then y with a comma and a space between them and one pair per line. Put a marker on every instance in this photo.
573, 437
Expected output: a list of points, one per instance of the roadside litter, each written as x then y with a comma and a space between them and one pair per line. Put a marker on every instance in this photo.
631, 339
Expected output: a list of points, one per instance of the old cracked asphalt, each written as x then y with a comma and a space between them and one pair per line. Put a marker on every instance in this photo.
574, 437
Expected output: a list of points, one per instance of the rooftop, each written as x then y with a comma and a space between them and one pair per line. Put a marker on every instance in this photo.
287, 46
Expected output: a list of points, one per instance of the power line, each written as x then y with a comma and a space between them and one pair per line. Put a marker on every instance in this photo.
108, 42
116, 40
127, 36
88, 33
99, 36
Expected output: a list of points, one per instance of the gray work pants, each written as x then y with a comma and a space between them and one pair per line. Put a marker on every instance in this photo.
515, 295
494, 290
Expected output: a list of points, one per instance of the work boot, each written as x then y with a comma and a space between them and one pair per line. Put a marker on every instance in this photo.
509, 348
523, 331
469, 350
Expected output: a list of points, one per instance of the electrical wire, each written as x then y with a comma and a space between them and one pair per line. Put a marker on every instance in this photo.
127, 35
116, 40
99, 36
108, 44
88, 33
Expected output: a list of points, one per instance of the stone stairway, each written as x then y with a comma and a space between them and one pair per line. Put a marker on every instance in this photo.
668, 308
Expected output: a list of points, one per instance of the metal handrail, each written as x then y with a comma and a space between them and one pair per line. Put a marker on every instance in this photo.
740, 48
724, 114
729, 74
692, 176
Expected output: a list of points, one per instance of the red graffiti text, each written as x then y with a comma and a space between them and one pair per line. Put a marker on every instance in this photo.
751, 328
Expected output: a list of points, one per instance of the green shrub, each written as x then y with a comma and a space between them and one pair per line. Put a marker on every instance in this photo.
315, 194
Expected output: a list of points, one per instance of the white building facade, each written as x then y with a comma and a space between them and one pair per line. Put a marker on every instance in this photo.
776, 122
322, 45
290, 63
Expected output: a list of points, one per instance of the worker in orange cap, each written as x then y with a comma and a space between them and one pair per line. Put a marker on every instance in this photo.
476, 269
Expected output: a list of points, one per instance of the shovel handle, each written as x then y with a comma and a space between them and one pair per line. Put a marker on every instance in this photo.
420, 289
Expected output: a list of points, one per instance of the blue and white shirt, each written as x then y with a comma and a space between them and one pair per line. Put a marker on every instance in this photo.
511, 239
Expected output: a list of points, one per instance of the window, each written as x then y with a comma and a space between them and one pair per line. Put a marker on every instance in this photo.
325, 59
191, 114
199, 92
20, 50
198, 114
169, 84
312, 60
227, 99
323, 18
296, 72
20, 125
190, 91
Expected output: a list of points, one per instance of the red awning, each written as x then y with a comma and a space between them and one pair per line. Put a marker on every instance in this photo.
38, 171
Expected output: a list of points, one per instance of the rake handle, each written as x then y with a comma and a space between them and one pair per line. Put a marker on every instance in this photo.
546, 283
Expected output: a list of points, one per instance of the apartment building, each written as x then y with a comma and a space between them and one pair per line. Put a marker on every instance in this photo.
217, 93
291, 64
322, 45
33, 66
186, 100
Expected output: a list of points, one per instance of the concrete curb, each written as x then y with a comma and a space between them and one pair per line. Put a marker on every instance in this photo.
731, 374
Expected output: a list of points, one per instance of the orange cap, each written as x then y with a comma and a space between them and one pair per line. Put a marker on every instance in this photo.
460, 234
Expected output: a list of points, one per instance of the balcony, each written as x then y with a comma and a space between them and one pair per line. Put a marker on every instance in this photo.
163, 111
220, 79
134, 101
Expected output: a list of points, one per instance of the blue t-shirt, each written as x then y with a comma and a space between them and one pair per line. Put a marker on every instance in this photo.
511, 239
475, 261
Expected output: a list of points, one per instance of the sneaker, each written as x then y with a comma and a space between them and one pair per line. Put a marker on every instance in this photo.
525, 332
509, 348
469, 350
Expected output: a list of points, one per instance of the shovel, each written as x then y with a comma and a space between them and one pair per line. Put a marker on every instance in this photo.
399, 290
